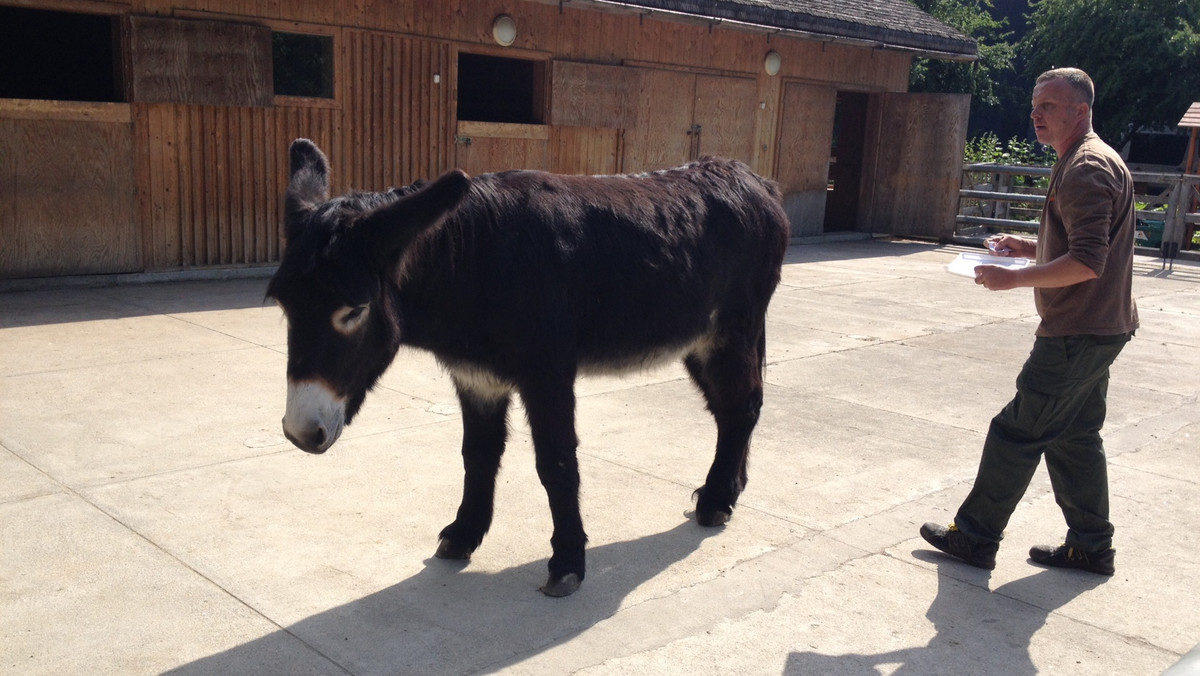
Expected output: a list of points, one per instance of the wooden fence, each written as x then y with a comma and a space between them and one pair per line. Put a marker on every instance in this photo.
1007, 198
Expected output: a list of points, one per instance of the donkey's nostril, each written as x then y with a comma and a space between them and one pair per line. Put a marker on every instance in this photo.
314, 417
310, 443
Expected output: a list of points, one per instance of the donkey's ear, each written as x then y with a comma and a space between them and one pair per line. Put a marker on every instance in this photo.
389, 229
308, 186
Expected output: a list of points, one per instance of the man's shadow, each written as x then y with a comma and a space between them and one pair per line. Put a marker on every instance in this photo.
978, 632
449, 620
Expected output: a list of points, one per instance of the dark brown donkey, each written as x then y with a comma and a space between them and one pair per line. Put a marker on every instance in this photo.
517, 282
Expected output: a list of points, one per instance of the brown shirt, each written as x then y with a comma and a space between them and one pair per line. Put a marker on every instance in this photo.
1089, 215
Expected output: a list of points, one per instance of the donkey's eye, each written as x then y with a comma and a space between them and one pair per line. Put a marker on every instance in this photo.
348, 319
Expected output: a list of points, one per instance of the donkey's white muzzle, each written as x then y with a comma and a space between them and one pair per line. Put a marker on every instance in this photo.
314, 417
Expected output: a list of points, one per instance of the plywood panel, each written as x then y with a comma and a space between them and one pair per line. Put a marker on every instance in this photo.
199, 62
916, 141
766, 128
726, 110
68, 198
593, 95
802, 164
661, 138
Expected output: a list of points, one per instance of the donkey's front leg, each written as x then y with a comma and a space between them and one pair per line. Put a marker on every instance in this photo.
550, 406
485, 430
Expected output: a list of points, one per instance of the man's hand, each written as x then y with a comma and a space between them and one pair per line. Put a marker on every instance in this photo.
1011, 246
997, 277
1060, 272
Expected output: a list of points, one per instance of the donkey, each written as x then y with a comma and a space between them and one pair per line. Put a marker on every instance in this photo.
517, 282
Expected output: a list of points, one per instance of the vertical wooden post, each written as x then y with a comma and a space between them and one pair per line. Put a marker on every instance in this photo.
1173, 228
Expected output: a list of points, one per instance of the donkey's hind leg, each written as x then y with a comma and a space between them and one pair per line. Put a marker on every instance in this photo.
730, 377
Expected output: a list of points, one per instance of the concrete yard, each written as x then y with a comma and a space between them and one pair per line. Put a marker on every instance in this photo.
153, 518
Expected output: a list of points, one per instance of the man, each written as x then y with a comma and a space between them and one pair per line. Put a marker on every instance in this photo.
1082, 289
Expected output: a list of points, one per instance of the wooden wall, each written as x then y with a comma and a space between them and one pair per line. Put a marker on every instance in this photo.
911, 186
214, 176
212, 180
803, 172
67, 201
193, 172
207, 62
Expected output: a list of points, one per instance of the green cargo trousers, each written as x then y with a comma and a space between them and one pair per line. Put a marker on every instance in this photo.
1057, 412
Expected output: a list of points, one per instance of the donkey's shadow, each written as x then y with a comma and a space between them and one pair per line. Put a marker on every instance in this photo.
448, 619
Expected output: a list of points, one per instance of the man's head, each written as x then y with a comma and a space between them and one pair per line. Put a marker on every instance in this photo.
1062, 107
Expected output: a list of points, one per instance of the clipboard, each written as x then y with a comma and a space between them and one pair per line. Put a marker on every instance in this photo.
964, 264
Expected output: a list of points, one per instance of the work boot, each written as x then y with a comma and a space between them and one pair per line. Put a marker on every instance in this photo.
950, 539
1064, 556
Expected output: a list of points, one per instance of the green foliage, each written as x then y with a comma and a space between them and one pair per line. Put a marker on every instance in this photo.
987, 149
1144, 56
973, 18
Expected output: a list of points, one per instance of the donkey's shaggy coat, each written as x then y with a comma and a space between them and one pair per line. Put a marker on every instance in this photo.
517, 282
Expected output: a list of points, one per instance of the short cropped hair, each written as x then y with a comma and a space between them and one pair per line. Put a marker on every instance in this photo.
1081, 84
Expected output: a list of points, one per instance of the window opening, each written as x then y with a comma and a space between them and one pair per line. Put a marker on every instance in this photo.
303, 65
58, 56
498, 89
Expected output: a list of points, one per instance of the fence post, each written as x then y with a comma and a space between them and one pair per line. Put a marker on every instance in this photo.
1003, 184
1173, 225
1173, 232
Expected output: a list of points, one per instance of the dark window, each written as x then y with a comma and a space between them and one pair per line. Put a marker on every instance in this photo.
303, 65
57, 56
496, 89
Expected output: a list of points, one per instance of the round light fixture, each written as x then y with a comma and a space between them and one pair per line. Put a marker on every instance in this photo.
773, 62
504, 30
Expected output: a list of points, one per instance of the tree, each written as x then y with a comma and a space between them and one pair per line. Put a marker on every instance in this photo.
979, 78
1144, 56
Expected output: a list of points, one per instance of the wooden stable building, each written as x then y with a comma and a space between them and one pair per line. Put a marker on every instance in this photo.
151, 135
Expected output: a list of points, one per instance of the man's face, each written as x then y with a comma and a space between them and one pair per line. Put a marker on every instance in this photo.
1058, 116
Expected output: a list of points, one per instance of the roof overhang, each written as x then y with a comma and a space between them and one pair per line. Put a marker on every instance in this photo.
935, 48
1191, 118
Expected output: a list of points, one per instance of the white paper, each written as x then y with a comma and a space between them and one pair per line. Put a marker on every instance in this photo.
965, 264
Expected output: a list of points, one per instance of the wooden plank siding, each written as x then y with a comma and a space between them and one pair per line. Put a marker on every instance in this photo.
216, 174
395, 120
215, 180
206, 176
585, 150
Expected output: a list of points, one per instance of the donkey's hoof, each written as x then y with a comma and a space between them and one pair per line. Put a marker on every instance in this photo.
563, 586
448, 549
713, 519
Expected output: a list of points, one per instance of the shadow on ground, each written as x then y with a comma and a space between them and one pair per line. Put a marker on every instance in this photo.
448, 620
964, 613
54, 306
855, 250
